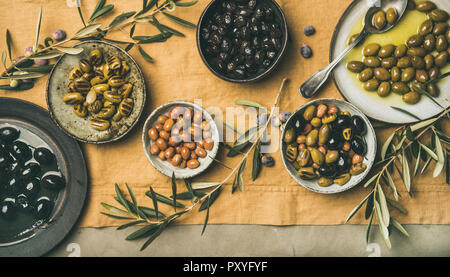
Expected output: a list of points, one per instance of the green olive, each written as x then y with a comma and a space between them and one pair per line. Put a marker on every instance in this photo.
317, 156
433, 89
324, 182
396, 74
434, 72
100, 88
371, 49
289, 135
75, 73
99, 124
426, 27
415, 41
399, 88
371, 85
400, 51
304, 157
408, 74
421, 76
312, 138
365, 75
429, 61
386, 51
116, 81
352, 38
73, 98
388, 62
329, 118
411, 97
440, 28
125, 90
438, 15
391, 15
384, 89
441, 59
417, 62
316, 122
441, 43
306, 173
382, 74
425, 6
114, 63
98, 80
124, 69
324, 133
379, 20
106, 112
85, 66
357, 168
429, 43
447, 35
372, 61
417, 51
355, 66
125, 107
411, 6
417, 86
95, 107
331, 156
80, 110
112, 97
309, 113
404, 62
82, 85
291, 152
342, 179
107, 71
95, 57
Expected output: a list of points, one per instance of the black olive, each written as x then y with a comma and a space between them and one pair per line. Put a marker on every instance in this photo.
276, 43
30, 171
13, 186
216, 39
53, 182
8, 208
299, 125
225, 45
358, 125
230, 6
14, 168
214, 28
255, 29
259, 57
5, 160
223, 56
328, 170
240, 21
264, 28
222, 30
20, 151
23, 203
358, 146
259, 13
271, 55
268, 13
43, 208
43, 156
342, 164
205, 33
9, 134
334, 142
231, 66
227, 19
252, 4
342, 122
266, 63
31, 188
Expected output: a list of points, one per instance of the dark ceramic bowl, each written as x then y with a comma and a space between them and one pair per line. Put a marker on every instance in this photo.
261, 72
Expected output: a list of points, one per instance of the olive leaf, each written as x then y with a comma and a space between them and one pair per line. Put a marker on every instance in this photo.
113, 209
423, 124
24, 75
126, 225
145, 55
243, 141
429, 151
239, 178
180, 21
186, 4
121, 198
440, 155
38, 28
406, 112
212, 197
101, 12
353, 212
4, 58
69, 50
424, 92
425, 166
152, 39
388, 179
143, 232
171, 30
437, 79
204, 185
406, 174
121, 18
163, 199
256, 161
154, 199
399, 227
80, 13
371, 180
8, 43
146, 8
42, 68
249, 103
207, 215
381, 225
45, 56
116, 216
418, 159
383, 206
189, 187
174, 191
369, 205
87, 30
386, 145
20, 87
133, 197
369, 227
396, 205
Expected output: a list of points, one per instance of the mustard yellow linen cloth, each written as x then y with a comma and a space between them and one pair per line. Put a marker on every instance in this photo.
179, 74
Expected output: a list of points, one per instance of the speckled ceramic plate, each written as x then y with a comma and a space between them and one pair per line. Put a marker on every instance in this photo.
166, 167
24, 236
369, 158
369, 102
77, 127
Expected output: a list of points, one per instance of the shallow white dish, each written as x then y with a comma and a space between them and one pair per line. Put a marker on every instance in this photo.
369, 158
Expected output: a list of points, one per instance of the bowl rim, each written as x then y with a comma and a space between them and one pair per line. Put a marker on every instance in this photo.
258, 77
116, 138
370, 132
209, 159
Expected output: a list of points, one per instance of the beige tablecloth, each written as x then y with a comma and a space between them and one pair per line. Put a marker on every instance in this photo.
179, 74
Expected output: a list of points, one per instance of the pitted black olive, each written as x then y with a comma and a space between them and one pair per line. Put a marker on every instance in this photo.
43, 156
358, 146
299, 125
9, 134
328, 170
53, 182
23, 203
342, 164
20, 151
43, 208
14, 168
8, 209
13, 186
5, 160
342, 122
335, 142
30, 171
31, 188
358, 125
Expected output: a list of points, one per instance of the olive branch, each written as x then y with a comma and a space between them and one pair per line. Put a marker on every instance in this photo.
154, 222
22, 68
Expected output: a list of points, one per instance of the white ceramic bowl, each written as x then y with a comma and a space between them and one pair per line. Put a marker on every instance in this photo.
369, 158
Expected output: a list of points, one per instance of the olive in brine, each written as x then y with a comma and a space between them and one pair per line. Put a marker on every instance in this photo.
386, 51
404, 62
441, 59
358, 145
309, 113
440, 28
422, 76
408, 74
434, 72
415, 41
307, 173
417, 51
433, 89
384, 89
31, 188
43, 156
396, 74
425, 6
438, 15
365, 75
417, 62
358, 125
379, 20
426, 27
429, 43
441, 43
382, 74
327, 170
324, 182
388, 63
411, 97
371, 85
391, 15
355, 66
399, 88
43, 208
342, 164
400, 51
335, 142
9, 134
371, 49
53, 182
372, 61
20, 151
8, 209
30, 171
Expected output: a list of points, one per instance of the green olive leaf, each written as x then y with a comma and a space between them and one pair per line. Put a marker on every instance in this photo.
124, 226
145, 55
396, 205
440, 155
213, 198
249, 103
101, 12
38, 28
371, 180
174, 191
406, 112
399, 227
204, 185
21, 87
423, 124
418, 159
405, 171
121, 18
69, 50
207, 215
186, 4
388, 179
381, 225
87, 30
369, 205
180, 21
113, 209
24, 75
8, 43
383, 206
117, 217
353, 212
425, 166
143, 232
256, 162
386, 145
429, 151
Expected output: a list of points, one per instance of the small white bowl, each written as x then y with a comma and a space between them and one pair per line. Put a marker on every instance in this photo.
369, 158
166, 167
